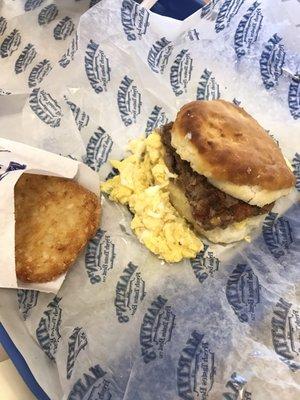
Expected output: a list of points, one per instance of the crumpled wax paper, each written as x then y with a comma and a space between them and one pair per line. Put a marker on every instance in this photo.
15, 159
225, 325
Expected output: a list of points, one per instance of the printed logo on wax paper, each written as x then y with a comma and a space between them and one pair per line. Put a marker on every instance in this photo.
47, 14
277, 234
27, 300
271, 61
296, 168
181, 72
92, 386
129, 101
12, 166
135, 20
294, 97
10, 43
3, 25
97, 67
243, 292
99, 257
45, 107
248, 29
77, 342
193, 35
235, 389
205, 264
159, 54
48, 331
285, 330
98, 149
38, 73
196, 368
63, 29
70, 53
227, 11
81, 118
156, 329
208, 88
236, 102
156, 119
208, 11
25, 58
32, 4
114, 172
130, 292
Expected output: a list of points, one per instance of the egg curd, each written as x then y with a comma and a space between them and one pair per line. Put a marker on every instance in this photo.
142, 184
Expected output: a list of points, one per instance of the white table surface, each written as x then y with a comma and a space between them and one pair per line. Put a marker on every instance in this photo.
12, 386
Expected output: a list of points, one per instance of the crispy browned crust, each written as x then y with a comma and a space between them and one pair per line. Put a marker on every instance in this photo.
55, 217
233, 145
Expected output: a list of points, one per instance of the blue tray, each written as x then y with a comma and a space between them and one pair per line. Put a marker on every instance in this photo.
177, 9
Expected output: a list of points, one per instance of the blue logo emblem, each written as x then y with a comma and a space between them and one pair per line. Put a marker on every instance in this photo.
236, 385
193, 35
271, 61
12, 166
285, 330
277, 234
10, 43
81, 118
3, 25
129, 101
130, 292
227, 11
32, 4
243, 292
92, 386
47, 14
38, 73
63, 29
77, 342
205, 264
27, 300
98, 149
48, 331
45, 107
99, 257
156, 119
135, 19
208, 88
208, 12
181, 72
236, 102
159, 54
248, 29
296, 168
196, 368
156, 329
97, 67
70, 53
294, 97
25, 58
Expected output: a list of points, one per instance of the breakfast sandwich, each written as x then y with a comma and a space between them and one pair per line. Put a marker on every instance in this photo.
54, 219
229, 171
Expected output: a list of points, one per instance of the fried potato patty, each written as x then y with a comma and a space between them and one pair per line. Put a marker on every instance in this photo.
55, 217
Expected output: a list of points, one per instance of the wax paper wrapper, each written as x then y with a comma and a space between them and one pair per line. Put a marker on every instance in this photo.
15, 159
124, 325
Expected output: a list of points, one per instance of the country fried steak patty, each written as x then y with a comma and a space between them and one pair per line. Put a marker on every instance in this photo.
210, 207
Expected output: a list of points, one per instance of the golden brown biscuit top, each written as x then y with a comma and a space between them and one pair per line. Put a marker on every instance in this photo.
234, 146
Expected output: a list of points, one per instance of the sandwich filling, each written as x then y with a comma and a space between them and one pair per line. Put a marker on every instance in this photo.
210, 207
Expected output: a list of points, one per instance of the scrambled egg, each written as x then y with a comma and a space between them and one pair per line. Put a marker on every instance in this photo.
142, 185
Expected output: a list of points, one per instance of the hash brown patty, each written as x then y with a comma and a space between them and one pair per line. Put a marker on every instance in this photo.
55, 217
